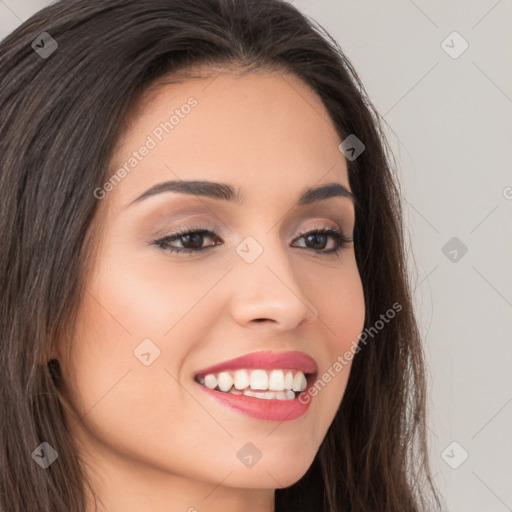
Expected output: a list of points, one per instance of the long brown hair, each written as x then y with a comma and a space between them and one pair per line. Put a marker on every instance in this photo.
61, 115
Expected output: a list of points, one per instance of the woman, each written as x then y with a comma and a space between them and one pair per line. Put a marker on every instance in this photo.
205, 302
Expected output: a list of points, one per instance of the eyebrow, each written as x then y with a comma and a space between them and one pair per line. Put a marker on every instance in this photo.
226, 192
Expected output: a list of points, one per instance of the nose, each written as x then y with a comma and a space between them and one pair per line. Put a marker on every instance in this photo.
267, 293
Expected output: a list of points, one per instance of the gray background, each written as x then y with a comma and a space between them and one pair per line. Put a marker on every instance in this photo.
451, 132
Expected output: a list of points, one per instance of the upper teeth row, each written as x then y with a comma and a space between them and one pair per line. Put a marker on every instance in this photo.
273, 380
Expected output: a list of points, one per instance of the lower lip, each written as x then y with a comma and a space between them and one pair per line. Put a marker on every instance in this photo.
261, 408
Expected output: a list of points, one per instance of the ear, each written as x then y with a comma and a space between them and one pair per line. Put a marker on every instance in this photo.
54, 351
54, 369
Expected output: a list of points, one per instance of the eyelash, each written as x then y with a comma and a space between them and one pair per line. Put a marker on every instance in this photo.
340, 239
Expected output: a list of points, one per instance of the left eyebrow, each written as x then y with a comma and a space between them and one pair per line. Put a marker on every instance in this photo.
227, 192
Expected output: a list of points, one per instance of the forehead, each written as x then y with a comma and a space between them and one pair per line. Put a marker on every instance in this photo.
263, 131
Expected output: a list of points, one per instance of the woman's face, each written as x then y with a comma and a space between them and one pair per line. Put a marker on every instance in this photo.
152, 319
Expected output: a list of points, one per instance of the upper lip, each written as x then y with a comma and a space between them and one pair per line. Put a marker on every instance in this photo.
266, 360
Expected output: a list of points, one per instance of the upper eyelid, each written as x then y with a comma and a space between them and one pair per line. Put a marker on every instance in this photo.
184, 230
208, 225
185, 215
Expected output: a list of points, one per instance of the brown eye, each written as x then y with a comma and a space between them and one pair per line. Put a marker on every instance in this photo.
192, 241
317, 240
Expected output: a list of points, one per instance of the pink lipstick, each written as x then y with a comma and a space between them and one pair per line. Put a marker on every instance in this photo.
262, 385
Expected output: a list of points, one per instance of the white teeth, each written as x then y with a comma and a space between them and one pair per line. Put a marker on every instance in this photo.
224, 381
288, 380
299, 382
266, 384
276, 380
268, 395
210, 381
241, 379
259, 379
285, 395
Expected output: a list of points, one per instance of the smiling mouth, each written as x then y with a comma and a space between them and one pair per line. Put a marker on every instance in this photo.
274, 384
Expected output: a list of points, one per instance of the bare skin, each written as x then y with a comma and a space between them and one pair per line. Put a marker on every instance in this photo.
151, 438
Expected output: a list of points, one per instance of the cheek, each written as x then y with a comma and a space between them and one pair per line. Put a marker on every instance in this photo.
120, 400
148, 294
122, 324
341, 311
125, 305
340, 302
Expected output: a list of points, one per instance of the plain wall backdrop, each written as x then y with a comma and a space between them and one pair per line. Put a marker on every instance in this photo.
447, 98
